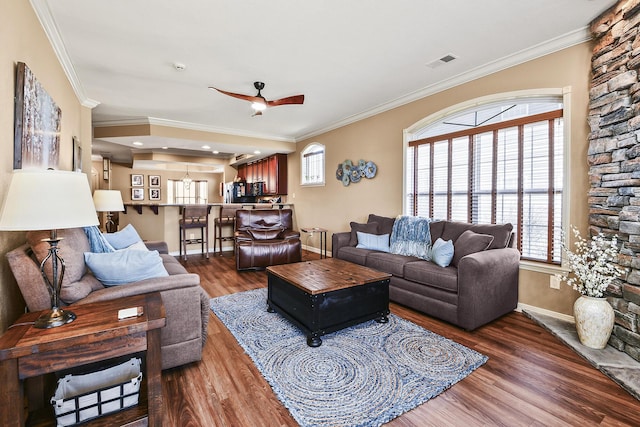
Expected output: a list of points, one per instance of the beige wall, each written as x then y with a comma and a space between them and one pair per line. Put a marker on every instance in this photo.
23, 40
380, 139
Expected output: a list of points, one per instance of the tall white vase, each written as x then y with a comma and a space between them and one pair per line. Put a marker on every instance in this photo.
594, 321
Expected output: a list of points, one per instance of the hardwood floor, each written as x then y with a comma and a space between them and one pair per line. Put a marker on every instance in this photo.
531, 378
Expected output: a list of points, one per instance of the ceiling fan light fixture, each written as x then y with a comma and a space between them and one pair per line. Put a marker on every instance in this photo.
258, 106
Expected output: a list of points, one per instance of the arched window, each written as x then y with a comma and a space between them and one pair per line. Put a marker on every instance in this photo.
312, 164
498, 162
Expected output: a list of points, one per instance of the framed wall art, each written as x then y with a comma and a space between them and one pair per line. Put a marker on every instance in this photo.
36, 141
154, 180
105, 169
154, 194
77, 155
137, 180
137, 194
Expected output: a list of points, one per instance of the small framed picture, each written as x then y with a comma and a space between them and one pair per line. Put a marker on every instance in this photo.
77, 155
154, 194
137, 180
154, 180
105, 175
137, 193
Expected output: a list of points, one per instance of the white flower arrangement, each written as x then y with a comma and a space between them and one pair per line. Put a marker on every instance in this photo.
592, 264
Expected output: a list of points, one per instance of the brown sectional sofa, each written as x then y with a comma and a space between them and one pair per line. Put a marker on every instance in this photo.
186, 303
481, 287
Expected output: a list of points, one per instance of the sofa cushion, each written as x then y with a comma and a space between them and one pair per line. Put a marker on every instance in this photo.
71, 249
436, 228
354, 255
115, 268
468, 243
265, 234
411, 237
442, 252
500, 232
385, 224
388, 263
375, 242
370, 227
429, 274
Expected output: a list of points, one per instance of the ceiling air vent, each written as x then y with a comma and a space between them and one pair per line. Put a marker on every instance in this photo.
443, 60
241, 157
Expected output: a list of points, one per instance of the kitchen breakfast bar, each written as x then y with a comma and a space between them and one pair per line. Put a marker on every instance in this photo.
161, 221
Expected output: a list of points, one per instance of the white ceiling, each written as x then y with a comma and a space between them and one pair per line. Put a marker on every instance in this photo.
350, 59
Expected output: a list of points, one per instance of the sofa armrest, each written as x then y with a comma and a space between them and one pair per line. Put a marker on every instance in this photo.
157, 284
487, 286
242, 235
339, 240
290, 234
157, 245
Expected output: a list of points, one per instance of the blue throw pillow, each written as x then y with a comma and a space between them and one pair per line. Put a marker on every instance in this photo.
116, 268
123, 238
442, 252
375, 242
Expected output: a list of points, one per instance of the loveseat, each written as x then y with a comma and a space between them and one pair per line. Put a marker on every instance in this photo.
479, 285
186, 303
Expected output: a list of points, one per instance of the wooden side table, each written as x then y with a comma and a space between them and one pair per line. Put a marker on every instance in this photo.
323, 238
96, 335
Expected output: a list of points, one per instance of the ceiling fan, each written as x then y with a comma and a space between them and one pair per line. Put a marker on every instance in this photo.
258, 102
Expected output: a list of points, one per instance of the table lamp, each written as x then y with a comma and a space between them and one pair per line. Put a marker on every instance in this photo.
49, 200
108, 201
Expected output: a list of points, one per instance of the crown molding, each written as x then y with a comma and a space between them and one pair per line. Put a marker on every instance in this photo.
41, 8
545, 48
190, 126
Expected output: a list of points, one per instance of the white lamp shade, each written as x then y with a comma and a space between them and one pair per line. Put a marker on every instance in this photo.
46, 200
108, 201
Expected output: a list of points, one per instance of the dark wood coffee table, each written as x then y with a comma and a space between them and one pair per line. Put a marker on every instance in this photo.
327, 295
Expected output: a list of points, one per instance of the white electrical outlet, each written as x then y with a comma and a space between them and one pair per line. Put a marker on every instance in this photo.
192, 236
554, 282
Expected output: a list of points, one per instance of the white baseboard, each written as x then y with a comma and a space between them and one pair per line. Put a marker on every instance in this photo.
549, 313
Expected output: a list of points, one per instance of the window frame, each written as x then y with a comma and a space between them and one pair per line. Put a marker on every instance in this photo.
564, 96
311, 150
195, 184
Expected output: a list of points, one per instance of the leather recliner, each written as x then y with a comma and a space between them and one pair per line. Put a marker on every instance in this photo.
265, 237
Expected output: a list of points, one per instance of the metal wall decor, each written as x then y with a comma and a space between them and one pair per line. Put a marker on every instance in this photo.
347, 172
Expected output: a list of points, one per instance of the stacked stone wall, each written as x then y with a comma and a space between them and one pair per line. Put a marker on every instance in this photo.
614, 158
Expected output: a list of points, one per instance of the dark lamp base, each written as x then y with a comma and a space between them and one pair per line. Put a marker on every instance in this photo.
54, 318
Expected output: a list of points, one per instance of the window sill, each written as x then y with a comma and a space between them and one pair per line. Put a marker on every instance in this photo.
318, 184
540, 267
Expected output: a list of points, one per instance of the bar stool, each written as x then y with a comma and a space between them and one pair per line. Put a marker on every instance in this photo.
194, 217
226, 219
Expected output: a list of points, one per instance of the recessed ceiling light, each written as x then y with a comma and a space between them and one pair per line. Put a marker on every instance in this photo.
179, 66
165, 148
205, 147
216, 152
256, 152
137, 143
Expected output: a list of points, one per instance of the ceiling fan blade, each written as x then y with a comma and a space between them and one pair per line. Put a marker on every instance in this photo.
240, 96
297, 99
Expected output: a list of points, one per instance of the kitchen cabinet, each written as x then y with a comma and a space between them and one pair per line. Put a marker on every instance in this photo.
271, 170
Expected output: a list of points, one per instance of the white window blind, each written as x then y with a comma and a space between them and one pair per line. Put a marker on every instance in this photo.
312, 165
510, 171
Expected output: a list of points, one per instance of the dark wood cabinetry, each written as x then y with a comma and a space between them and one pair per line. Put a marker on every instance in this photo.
271, 170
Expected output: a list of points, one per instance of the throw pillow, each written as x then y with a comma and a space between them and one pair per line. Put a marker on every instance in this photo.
370, 227
469, 243
375, 242
138, 246
442, 252
70, 249
411, 237
116, 268
123, 238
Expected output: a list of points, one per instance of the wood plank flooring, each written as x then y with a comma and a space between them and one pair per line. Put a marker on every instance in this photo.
531, 378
